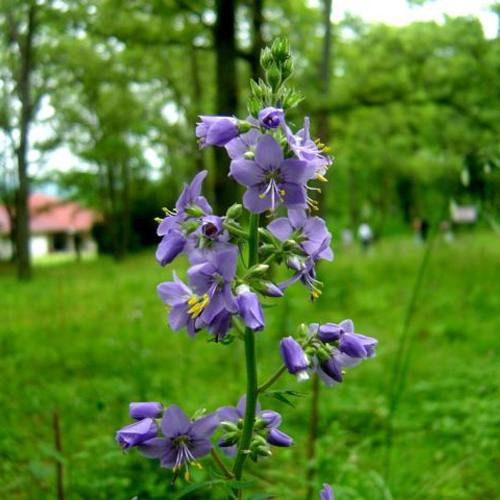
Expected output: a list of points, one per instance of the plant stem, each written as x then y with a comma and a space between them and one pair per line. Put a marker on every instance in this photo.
251, 366
313, 436
220, 464
273, 379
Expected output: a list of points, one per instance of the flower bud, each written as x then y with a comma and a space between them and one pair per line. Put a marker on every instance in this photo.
294, 263
278, 438
244, 126
229, 439
294, 358
274, 76
266, 58
250, 310
228, 426
138, 411
271, 290
258, 269
271, 418
137, 433
332, 369
289, 245
257, 91
280, 50
234, 211
287, 69
329, 332
270, 117
194, 211
351, 345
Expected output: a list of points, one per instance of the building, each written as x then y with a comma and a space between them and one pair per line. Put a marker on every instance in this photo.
56, 225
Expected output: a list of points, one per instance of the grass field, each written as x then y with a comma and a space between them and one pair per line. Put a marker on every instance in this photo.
85, 339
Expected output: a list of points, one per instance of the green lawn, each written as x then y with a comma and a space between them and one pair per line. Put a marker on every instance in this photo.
85, 339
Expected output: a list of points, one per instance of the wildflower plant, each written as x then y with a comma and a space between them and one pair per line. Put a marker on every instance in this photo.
222, 293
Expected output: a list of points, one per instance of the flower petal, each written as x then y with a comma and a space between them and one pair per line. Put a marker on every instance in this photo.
200, 447
247, 172
281, 228
254, 203
154, 448
174, 422
204, 427
269, 154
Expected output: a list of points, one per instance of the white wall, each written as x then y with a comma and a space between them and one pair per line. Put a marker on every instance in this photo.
5, 248
39, 245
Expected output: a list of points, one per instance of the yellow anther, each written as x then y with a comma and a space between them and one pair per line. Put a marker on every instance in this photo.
262, 196
321, 178
198, 465
282, 192
326, 149
186, 476
158, 219
198, 304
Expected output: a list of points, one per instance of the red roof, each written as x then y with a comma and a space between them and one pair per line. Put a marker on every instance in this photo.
49, 214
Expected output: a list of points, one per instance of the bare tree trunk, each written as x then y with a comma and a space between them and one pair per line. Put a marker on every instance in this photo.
258, 41
227, 95
197, 98
22, 198
324, 75
125, 212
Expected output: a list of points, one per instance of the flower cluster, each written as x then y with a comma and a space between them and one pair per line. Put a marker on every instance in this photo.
221, 293
326, 350
266, 430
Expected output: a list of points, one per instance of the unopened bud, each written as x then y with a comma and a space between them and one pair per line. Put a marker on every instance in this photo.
229, 427
287, 69
258, 269
244, 126
234, 211
289, 245
266, 58
194, 211
274, 76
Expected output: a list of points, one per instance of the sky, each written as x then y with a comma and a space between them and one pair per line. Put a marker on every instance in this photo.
392, 12
398, 12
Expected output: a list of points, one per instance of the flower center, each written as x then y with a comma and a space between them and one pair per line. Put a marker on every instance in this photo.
273, 187
197, 304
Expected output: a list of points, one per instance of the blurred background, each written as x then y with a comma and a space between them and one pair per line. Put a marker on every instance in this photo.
98, 105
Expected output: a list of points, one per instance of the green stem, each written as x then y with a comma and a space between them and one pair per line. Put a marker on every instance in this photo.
273, 379
251, 365
235, 230
220, 464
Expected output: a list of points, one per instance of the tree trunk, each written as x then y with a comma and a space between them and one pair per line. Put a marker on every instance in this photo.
197, 98
257, 41
325, 70
22, 198
227, 97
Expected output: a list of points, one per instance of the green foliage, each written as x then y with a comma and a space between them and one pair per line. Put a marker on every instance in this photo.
107, 343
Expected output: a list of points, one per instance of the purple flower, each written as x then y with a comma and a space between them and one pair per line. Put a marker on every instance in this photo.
213, 279
185, 305
270, 178
305, 148
271, 290
327, 333
220, 325
188, 206
244, 143
216, 130
312, 232
294, 357
136, 433
327, 492
171, 245
306, 271
352, 348
278, 438
184, 440
271, 117
269, 419
356, 345
139, 411
250, 309
209, 238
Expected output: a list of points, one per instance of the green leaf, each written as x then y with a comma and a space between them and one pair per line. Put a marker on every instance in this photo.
260, 496
196, 487
284, 395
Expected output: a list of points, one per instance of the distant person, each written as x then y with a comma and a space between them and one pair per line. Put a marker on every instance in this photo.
365, 235
424, 229
347, 237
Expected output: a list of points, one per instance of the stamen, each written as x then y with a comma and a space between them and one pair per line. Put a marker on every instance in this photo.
321, 178
158, 219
